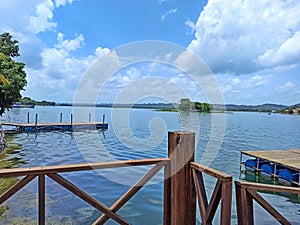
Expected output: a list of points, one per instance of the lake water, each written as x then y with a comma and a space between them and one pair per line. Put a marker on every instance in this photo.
135, 134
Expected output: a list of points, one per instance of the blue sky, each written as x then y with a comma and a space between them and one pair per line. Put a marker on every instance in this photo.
252, 47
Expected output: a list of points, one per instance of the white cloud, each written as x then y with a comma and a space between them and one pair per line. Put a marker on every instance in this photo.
60, 71
168, 13
258, 81
286, 54
42, 21
287, 87
69, 45
191, 25
245, 36
59, 3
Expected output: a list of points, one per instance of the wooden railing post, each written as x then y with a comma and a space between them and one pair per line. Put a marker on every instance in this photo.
181, 149
41, 197
244, 205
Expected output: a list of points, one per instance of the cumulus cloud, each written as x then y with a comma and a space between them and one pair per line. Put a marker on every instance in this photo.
61, 70
246, 36
69, 45
42, 20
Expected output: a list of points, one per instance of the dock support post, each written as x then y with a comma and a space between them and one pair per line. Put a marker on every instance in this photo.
103, 121
71, 120
28, 117
60, 118
182, 199
89, 117
36, 121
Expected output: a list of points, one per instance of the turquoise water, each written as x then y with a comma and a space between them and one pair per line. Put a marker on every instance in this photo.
136, 134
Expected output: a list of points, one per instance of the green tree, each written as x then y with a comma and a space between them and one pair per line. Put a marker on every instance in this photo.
8, 46
198, 106
206, 107
13, 76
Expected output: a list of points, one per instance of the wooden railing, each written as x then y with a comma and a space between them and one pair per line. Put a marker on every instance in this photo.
52, 172
222, 192
183, 182
246, 192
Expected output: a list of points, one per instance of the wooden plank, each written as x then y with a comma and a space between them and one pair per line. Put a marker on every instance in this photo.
131, 192
15, 188
181, 149
212, 172
15, 172
41, 197
269, 208
268, 187
89, 199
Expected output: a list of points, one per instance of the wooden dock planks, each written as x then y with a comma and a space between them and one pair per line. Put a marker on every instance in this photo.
27, 127
288, 158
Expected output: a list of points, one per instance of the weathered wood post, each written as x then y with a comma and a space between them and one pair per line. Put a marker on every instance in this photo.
36, 121
103, 119
71, 120
60, 117
181, 198
28, 117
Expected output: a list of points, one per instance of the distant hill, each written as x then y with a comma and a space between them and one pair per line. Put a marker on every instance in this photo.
260, 108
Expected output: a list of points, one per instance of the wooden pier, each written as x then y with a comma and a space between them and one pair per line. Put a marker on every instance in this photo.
282, 165
63, 126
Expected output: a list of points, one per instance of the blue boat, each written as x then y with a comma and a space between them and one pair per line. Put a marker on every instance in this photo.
267, 170
251, 164
287, 177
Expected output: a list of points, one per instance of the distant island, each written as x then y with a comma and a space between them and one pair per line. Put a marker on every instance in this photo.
184, 105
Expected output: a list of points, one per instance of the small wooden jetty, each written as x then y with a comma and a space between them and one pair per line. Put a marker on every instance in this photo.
282, 165
60, 126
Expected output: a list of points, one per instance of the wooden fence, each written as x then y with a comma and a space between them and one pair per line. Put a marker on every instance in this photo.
183, 185
246, 192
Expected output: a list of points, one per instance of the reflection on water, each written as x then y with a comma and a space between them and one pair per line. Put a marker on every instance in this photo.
244, 131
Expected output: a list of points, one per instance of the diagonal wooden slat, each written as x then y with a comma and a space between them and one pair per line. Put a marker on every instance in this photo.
213, 203
263, 203
89, 199
201, 192
131, 192
15, 188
